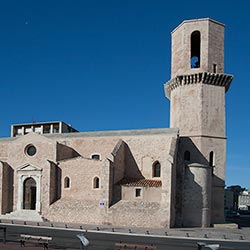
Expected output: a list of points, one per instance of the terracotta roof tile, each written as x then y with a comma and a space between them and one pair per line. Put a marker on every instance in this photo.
140, 182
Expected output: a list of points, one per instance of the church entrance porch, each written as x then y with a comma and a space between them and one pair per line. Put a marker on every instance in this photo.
29, 188
29, 194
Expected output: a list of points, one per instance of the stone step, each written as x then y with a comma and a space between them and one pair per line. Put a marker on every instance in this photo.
25, 215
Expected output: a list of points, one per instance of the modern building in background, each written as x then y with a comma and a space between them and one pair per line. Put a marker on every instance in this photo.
169, 177
244, 200
41, 128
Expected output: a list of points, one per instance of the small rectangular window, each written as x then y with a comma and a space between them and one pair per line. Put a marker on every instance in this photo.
214, 68
137, 192
95, 157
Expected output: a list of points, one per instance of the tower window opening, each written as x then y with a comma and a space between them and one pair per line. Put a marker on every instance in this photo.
195, 49
187, 156
214, 68
211, 159
67, 182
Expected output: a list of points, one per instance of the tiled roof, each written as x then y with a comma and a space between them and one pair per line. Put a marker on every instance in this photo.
140, 183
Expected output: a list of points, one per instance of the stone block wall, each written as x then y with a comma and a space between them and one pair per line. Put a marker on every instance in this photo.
6, 188
211, 47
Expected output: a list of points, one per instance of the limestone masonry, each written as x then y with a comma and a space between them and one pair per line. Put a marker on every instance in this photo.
170, 177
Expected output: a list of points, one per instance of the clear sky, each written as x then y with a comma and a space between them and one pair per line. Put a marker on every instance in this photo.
101, 65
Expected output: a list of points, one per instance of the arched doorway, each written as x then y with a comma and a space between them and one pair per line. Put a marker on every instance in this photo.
29, 194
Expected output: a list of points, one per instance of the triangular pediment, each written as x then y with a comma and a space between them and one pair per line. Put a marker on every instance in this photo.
28, 167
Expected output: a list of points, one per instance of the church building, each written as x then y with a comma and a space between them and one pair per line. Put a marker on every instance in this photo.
166, 177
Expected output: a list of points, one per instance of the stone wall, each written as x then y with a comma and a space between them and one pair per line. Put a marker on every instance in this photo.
81, 198
148, 194
6, 188
211, 47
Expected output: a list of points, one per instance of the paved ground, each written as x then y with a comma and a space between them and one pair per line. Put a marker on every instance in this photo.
221, 234
213, 233
14, 246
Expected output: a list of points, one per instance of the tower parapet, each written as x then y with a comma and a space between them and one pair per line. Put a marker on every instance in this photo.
222, 80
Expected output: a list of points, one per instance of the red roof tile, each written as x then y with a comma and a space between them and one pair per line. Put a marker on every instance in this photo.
140, 183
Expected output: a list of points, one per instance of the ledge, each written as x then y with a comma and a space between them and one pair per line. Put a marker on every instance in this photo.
221, 80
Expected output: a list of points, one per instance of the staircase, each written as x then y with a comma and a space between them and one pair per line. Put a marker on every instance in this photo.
25, 215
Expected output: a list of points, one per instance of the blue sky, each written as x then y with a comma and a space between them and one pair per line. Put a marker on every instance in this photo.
101, 65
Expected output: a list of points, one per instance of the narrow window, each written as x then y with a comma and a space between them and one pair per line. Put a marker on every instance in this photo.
95, 157
195, 49
46, 129
96, 182
137, 192
187, 156
211, 158
66, 182
156, 169
56, 128
214, 68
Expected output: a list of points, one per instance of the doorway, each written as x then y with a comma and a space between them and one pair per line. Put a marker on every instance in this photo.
29, 194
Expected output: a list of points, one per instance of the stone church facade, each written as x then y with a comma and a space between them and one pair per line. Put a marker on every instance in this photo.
169, 177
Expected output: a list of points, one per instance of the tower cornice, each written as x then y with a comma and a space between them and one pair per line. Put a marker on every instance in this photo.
221, 80
198, 20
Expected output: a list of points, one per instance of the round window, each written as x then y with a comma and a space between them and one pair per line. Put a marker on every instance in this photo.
31, 150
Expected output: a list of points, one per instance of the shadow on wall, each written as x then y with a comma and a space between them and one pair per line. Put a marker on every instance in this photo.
7, 188
64, 152
130, 171
55, 183
195, 179
192, 200
186, 144
131, 168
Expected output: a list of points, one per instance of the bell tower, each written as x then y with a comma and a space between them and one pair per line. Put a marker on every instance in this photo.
197, 107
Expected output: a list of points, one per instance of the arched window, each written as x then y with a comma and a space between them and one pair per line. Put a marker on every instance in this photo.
187, 155
96, 182
95, 157
66, 182
156, 169
195, 49
211, 158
